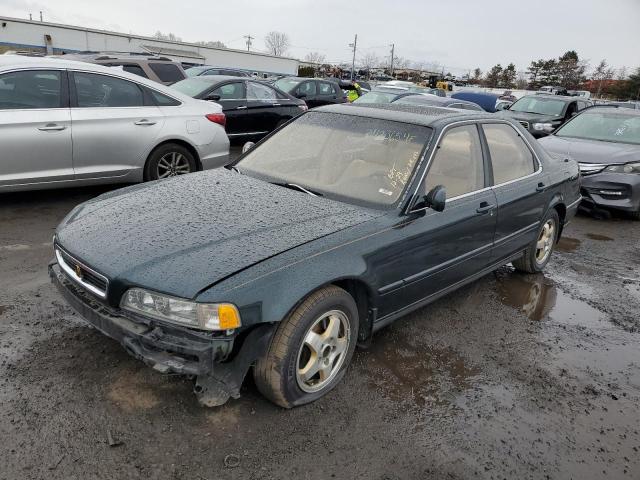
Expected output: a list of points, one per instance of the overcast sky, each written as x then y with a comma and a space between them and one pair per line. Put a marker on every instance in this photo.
458, 34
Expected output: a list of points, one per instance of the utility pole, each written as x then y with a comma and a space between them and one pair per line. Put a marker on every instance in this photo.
30, 17
249, 38
353, 45
40, 15
393, 48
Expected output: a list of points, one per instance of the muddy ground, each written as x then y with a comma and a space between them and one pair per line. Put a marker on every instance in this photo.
513, 377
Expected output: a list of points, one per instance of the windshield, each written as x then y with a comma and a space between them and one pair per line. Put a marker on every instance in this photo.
376, 97
355, 159
287, 84
193, 86
539, 105
605, 126
195, 71
418, 100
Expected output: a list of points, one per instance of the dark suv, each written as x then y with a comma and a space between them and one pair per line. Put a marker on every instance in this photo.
159, 69
314, 91
542, 114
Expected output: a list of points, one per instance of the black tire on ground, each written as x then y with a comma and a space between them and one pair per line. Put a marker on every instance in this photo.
185, 158
530, 262
276, 373
635, 215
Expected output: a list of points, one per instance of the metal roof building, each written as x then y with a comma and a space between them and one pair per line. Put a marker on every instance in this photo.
52, 38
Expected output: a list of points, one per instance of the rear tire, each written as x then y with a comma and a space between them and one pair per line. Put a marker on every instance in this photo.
311, 349
169, 160
538, 254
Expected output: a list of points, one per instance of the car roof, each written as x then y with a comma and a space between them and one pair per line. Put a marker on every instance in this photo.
631, 112
215, 78
566, 98
59, 62
416, 114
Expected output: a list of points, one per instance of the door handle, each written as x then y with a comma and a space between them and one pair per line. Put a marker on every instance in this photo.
241, 107
51, 127
541, 187
144, 122
484, 208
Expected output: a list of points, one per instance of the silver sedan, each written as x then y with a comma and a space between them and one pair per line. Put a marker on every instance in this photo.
65, 123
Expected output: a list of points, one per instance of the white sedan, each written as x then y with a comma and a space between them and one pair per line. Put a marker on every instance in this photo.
66, 123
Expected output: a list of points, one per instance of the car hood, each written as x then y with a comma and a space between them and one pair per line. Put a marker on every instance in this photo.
529, 117
591, 151
183, 235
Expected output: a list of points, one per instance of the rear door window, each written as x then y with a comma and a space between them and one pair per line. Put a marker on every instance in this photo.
325, 88
30, 89
458, 163
95, 90
167, 72
307, 88
231, 91
510, 156
163, 100
259, 92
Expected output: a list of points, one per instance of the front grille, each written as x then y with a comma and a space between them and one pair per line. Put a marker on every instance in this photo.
524, 124
591, 168
77, 271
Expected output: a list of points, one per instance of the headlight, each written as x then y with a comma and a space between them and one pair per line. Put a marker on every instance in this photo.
203, 316
626, 168
543, 127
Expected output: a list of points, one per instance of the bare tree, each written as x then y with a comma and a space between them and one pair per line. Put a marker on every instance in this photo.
277, 43
370, 60
167, 36
602, 74
215, 44
314, 57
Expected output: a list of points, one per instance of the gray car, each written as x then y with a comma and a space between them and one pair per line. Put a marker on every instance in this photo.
605, 141
66, 123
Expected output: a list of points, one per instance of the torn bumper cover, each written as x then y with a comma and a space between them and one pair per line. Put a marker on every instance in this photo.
219, 366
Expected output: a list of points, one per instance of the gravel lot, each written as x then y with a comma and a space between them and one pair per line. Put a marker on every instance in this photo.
515, 376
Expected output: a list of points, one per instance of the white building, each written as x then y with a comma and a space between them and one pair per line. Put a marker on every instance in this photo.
52, 38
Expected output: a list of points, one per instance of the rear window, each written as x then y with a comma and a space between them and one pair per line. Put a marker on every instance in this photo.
135, 69
167, 72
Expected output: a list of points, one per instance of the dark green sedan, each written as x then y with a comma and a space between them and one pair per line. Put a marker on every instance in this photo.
327, 230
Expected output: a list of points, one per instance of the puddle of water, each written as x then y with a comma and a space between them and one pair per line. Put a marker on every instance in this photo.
568, 244
601, 238
417, 373
539, 298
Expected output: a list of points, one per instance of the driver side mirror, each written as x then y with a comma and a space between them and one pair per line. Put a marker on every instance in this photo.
436, 199
212, 97
300, 95
247, 146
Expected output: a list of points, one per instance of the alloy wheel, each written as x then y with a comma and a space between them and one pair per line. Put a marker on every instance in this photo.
323, 351
172, 164
545, 241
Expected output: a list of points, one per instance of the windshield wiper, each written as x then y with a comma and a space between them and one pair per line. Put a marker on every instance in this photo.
295, 186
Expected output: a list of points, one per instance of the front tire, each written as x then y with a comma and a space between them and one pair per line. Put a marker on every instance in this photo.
169, 160
537, 255
310, 350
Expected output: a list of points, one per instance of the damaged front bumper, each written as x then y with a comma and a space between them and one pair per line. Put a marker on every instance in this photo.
219, 362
